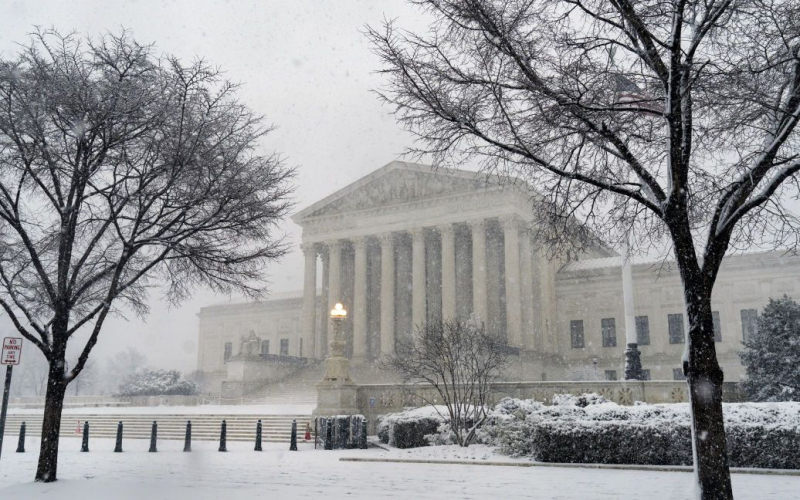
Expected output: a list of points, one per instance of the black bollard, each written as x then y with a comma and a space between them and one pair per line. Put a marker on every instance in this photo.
118, 447
222, 435
363, 444
85, 440
21, 442
153, 437
328, 435
187, 443
293, 443
258, 436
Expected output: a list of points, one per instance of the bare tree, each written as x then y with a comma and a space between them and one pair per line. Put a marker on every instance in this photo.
120, 170
671, 119
460, 360
128, 361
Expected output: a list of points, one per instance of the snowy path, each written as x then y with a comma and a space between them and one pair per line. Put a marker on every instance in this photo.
279, 474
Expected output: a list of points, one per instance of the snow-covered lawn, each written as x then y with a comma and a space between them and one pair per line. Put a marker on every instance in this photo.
277, 473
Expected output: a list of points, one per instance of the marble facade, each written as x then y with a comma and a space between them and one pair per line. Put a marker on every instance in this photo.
406, 245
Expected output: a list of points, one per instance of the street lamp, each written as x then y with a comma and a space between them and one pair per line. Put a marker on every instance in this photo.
338, 367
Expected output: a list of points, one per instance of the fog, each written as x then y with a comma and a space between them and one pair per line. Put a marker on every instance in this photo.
304, 64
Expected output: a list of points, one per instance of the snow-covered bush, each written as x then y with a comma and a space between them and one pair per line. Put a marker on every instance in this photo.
157, 383
759, 435
408, 429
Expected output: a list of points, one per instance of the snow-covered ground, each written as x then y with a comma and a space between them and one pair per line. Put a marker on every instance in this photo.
277, 473
181, 410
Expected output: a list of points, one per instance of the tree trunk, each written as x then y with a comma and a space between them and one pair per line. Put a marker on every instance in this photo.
51, 423
705, 377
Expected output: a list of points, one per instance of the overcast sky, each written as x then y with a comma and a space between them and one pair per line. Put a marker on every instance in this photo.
305, 65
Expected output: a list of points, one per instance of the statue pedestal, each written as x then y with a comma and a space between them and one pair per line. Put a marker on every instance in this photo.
336, 398
336, 393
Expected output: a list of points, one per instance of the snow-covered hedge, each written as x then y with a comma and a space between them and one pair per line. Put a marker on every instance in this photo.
408, 429
590, 429
759, 434
157, 383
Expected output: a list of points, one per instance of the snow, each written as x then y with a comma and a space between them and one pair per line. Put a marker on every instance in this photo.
181, 410
207, 474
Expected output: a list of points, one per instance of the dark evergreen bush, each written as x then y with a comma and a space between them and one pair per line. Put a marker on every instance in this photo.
625, 442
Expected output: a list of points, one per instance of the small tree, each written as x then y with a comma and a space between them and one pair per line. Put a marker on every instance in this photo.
772, 354
460, 360
120, 169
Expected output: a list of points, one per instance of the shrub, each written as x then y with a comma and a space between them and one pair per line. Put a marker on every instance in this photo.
157, 383
758, 435
408, 429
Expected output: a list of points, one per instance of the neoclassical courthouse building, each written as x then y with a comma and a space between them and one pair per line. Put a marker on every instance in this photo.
408, 244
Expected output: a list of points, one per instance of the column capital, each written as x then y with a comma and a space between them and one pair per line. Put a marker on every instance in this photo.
417, 232
448, 228
477, 224
309, 248
359, 242
510, 222
333, 244
386, 238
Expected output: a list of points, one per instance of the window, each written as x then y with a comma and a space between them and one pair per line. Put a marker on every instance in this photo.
749, 317
677, 374
228, 350
611, 374
642, 330
717, 326
609, 328
284, 347
675, 326
264, 347
646, 374
576, 333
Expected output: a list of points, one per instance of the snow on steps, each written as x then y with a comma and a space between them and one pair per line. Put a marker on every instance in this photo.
275, 428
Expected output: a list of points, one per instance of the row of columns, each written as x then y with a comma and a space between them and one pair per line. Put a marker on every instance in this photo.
518, 283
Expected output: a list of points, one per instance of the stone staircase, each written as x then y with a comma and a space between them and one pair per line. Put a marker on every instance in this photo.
275, 428
300, 389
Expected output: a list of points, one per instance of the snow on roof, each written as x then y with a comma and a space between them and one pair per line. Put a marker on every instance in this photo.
269, 297
616, 261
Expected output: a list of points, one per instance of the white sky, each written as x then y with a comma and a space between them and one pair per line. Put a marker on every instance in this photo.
305, 65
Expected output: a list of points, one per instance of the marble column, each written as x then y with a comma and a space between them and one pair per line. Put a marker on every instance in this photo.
387, 294
479, 294
512, 279
526, 293
418, 278
321, 342
447, 232
309, 300
359, 306
334, 277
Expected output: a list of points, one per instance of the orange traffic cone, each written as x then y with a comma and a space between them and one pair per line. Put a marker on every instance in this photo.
308, 432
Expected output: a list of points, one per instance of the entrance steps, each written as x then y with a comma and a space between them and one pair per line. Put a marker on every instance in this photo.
275, 428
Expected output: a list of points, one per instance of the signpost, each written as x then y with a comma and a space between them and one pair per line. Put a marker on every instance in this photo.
12, 351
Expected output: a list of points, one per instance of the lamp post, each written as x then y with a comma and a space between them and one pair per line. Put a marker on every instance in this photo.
337, 366
633, 357
336, 392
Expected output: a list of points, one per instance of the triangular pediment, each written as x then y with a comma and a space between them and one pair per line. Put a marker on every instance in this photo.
396, 183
